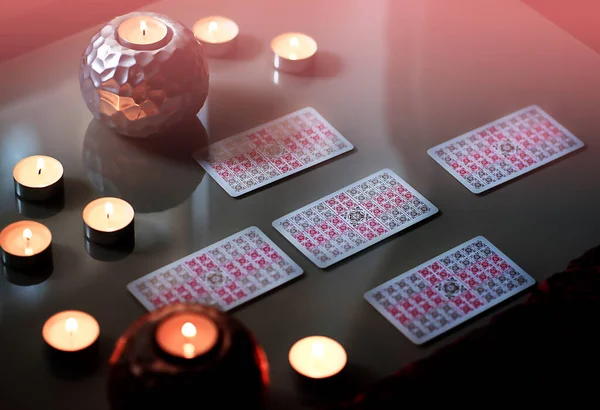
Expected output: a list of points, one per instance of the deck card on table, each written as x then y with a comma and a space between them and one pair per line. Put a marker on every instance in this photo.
505, 149
354, 218
225, 274
446, 291
272, 151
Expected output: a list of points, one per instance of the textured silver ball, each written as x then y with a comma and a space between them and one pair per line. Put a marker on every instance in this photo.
139, 93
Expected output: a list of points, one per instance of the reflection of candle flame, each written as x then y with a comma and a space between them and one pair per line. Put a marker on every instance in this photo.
40, 165
143, 27
188, 330
108, 209
318, 349
212, 26
294, 42
71, 325
188, 350
293, 56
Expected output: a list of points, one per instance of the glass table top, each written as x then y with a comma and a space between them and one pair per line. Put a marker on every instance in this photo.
395, 78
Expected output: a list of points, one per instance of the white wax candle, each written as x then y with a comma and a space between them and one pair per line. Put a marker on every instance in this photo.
187, 335
317, 357
294, 46
38, 171
71, 330
143, 31
25, 238
215, 30
108, 214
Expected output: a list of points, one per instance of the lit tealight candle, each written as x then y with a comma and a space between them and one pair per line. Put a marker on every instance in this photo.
27, 246
109, 221
38, 178
187, 335
217, 34
71, 331
317, 357
143, 33
294, 52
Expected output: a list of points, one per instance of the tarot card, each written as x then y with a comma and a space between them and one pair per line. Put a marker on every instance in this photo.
449, 289
354, 218
505, 149
272, 151
225, 274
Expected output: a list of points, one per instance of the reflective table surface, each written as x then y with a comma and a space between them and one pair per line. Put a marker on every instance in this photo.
395, 77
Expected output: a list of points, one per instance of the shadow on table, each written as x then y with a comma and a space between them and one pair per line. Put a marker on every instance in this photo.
40, 210
232, 109
19, 278
248, 47
153, 174
327, 64
109, 253
326, 393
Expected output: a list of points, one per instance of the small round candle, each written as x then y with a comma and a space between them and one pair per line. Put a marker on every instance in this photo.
293, 51
38, 178
187, 335
26, 246
71, 331
108, 221
143, 33
217, 34
317, 357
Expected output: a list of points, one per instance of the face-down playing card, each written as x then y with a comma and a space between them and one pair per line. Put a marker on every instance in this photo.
225, 274
449, 289
272, 151
354, 218
504, 149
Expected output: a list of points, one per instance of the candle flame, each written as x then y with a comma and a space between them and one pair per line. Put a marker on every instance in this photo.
27, 234
318, 349
188, 350
108, 209
294, 42
213, 26
71, 325
40, 165
143, 27
188, 330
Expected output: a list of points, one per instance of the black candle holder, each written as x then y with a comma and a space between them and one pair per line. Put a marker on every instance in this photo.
39, 194
124, 237
40, 262
73, 365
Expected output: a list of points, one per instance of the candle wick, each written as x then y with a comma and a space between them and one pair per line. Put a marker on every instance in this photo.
143, 32
40, 171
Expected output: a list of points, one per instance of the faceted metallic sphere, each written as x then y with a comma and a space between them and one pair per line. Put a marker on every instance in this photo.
139, 93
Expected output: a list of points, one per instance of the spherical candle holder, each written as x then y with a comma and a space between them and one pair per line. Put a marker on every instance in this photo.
171, 357
142, 73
